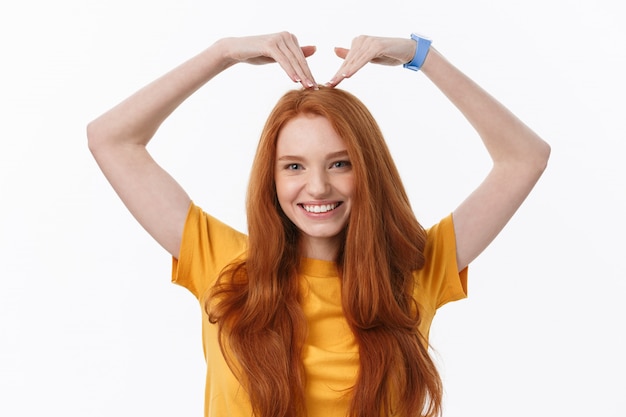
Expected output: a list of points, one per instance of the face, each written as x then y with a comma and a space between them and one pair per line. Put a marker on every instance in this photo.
314, 182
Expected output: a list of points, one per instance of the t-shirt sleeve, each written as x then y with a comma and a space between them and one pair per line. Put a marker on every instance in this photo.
440, 281
207, 246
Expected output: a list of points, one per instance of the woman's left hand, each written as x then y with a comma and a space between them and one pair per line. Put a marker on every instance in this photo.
365, 49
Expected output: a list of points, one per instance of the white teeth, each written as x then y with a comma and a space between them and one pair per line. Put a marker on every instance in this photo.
320, 209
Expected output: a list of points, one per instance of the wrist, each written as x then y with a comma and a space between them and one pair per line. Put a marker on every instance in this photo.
433, 62
422, 48
222, 49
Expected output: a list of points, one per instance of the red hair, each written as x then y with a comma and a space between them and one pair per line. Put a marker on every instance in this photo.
256, 301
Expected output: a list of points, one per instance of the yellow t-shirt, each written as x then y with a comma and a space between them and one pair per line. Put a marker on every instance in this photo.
330, 353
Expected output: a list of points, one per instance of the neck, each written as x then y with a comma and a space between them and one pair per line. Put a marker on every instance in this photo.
324, 249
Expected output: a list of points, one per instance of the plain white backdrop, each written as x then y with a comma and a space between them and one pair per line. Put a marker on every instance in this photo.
91, 325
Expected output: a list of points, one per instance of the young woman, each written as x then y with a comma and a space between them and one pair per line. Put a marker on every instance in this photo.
324, 308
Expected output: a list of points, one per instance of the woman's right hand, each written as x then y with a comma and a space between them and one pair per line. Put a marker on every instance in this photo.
282, 48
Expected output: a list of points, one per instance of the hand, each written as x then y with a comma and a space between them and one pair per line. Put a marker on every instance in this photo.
282, 48
365, 49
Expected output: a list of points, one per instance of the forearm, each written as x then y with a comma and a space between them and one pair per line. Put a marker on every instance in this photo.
136, 119
506, 138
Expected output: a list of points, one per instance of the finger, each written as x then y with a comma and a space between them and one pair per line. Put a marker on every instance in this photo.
340, 74
354, 60
307, 51
341, 52
297, 57
294, 61
308, 81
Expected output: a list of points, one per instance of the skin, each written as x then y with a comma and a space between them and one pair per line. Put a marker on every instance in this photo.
314, 183
119, 137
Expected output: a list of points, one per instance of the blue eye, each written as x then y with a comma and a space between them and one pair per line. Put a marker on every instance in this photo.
341, 164
293, 166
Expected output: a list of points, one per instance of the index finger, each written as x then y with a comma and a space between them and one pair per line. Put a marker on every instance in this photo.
295, 63
353, 61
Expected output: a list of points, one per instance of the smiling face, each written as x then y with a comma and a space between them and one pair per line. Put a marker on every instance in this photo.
314, 183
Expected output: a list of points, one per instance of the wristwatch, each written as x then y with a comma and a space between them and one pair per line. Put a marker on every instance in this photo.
421, 50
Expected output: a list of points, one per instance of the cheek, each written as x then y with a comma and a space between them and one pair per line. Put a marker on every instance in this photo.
347, 185
284, 190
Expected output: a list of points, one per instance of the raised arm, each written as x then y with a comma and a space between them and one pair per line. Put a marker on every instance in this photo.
118, 138
519, 156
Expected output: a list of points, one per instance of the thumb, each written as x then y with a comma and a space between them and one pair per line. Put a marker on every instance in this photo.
308, 50
341, 52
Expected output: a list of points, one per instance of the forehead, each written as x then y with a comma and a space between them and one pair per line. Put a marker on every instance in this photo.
308, 133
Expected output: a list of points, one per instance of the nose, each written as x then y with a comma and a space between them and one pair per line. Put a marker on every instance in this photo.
318, 185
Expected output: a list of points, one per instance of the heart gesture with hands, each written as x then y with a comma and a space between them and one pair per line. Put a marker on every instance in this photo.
284, 49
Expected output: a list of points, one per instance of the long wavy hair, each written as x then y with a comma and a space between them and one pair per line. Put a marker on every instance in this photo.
256, 301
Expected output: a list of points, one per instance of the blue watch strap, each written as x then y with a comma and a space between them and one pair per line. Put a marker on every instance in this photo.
421, 50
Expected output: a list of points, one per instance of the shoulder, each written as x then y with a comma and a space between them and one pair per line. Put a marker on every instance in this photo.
440, 280
440, 249
208, 245
203, 227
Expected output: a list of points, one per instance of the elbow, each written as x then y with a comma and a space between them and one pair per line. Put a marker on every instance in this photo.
543, 156
93, 136
98, 138
536, 162
529, 163
535, 154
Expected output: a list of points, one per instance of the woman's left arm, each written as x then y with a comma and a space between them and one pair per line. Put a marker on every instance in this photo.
519, 156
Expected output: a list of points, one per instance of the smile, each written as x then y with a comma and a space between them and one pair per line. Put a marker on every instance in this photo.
319, 208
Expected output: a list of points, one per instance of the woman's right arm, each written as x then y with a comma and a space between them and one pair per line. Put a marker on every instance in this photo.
118, 138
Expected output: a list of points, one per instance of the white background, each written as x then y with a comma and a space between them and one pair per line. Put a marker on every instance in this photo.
91, 325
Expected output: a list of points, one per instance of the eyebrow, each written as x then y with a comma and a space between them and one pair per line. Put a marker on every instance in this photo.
339, 154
